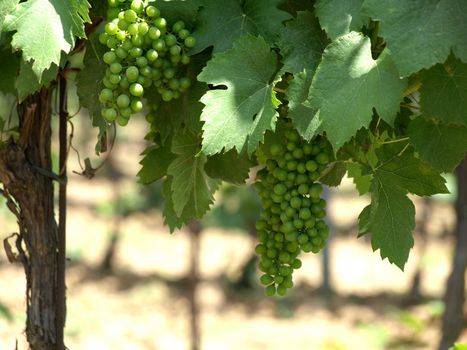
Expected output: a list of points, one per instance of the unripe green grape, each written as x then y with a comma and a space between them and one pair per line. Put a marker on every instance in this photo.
136, 52
175, 50
169, 73
190, 42
174, 84
122, 121
137, 6
322, 158
143, 28
114, 78
106, 95
159, 45
141, 80
170, 39
167, 95
132, 73
136, 89
175, 59
145, 71
112, 3
141, 61
123, 25
111, 28
136, 105
112, 12
123, 101
124, 83
103, 37
152, 55
112, 43
183, 34
160, 23
126, 112
130, 16
154, 33
108, 84
152, 11
156, 74
127, 45
137, 40
109, 57
185, 83
115, 67
270, 290
266, 279
109, 114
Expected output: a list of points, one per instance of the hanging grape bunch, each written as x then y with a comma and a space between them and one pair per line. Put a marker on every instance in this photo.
144, 52
293, 210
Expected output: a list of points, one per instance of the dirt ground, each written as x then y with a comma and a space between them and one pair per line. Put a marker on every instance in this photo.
143, 304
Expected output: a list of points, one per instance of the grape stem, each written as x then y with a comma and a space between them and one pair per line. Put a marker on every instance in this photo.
393, 141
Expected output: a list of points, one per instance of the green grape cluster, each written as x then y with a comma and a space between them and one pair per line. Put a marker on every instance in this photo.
144, 52
293, 210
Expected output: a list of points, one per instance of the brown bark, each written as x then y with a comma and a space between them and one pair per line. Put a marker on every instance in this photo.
454, 297
26, 175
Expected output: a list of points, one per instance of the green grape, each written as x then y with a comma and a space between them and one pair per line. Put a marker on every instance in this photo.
145, 71
169, 73
175, 50
154, 33
127, 45
109, 114
137, 40
152, 11
152, 55
159, 45
112, 3
160, 23
190, 42
123, 25
115, 67
136, 52
167, 95
130, 16
122, 121
136, 106
114, 79
123, 101
143, 28
126, 112
111, 28
183, 34
132, 73
141, 61
136, 89
109, 57
137, 6
103, 37
106, 95
170, 39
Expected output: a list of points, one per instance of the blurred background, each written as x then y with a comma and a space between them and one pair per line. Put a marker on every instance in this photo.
133, 285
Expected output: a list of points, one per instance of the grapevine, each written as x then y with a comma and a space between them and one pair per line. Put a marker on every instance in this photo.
145, 52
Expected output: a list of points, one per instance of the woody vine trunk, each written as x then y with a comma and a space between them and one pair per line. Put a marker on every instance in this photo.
26, 175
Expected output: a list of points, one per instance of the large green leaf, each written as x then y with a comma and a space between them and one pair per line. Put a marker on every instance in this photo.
339, 17
391, 221
176, 10
221, 22
230, 167
301, 44
45, 28
237, 117
443, 94
399, 168
27, 82
362, 181
421, 33
349, 84
155, 163
189, 180
441, 145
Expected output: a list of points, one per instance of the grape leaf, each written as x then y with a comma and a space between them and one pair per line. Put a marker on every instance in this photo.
444, 90
189, 180
303, 117
6, 7
221, 22
391, 221
333, 174
89, 84
9, 71
295, 6
421, 33
407, 172
339, 17
441, 145
239, 116
364, 221
43, 40
230, 167
362, 181
155, 163
179, 10
27, 82
348, 84
297, 49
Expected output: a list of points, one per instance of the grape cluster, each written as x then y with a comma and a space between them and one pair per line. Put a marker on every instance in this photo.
293, 210
144, 51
